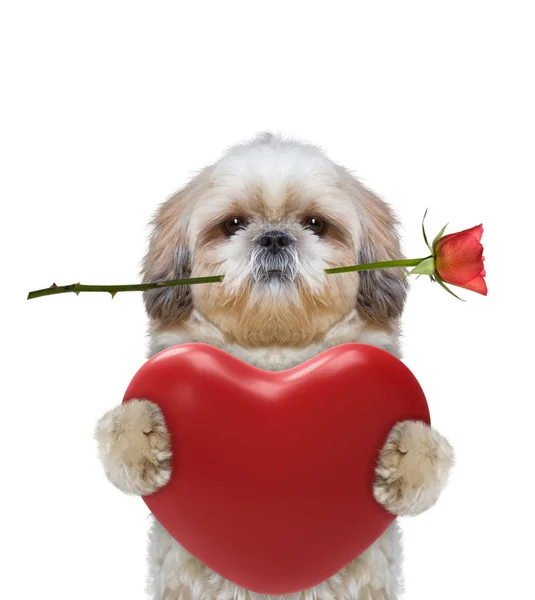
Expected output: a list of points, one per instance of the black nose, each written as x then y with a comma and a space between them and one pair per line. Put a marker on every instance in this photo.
274, 241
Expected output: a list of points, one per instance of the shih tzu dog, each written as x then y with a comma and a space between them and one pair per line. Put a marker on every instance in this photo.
271, 216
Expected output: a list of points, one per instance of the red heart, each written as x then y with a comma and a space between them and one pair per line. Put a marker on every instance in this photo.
273, 471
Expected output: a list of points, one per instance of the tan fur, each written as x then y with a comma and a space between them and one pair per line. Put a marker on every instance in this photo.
271, 324
381, 243
169, 233
274, 322
275, 184
134, 447
413, 468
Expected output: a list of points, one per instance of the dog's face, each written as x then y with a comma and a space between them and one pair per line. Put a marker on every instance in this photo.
271, 216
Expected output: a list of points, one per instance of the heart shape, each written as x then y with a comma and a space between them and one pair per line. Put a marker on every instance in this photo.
273, 471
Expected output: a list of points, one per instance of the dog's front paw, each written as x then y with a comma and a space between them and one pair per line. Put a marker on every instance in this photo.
413, 468
134, 447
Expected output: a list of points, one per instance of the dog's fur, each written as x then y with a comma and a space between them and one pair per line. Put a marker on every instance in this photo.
274, 320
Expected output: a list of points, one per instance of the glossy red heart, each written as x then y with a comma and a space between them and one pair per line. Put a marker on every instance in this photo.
273, 471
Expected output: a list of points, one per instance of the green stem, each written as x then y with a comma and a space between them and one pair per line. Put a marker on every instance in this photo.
143, 287
113, 289
409, 262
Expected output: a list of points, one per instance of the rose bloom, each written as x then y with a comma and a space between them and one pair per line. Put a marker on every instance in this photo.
459, 259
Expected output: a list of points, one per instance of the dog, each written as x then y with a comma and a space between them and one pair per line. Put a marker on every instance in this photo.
271, 215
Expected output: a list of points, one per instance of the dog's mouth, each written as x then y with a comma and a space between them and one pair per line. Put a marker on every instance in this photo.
281, 276
277, 268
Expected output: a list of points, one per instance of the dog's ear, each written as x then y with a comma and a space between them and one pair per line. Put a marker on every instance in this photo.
381, 293
169, 257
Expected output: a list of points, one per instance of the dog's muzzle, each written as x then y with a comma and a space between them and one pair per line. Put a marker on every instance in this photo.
274, 257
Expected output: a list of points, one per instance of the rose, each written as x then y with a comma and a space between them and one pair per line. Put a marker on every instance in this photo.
456, 258
459, 259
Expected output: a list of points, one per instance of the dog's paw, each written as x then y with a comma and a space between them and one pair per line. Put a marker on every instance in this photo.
134, 447
413, 468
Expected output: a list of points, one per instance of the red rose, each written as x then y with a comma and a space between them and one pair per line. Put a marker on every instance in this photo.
459, 259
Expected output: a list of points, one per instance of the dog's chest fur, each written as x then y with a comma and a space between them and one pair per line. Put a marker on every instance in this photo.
275, 358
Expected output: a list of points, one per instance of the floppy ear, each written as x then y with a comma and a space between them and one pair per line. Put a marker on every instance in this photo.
169, 257
381, 293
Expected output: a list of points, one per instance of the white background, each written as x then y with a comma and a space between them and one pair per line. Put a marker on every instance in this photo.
108, 108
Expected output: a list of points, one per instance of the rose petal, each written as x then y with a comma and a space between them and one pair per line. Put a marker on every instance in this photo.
477, 284
458, 259
476, 232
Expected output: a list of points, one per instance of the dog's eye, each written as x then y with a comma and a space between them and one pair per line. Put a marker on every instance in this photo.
316, 225
231, 226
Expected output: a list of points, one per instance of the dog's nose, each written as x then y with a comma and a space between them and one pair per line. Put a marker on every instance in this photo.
274, 241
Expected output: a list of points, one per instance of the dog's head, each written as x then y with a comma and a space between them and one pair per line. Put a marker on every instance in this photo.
271, 216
